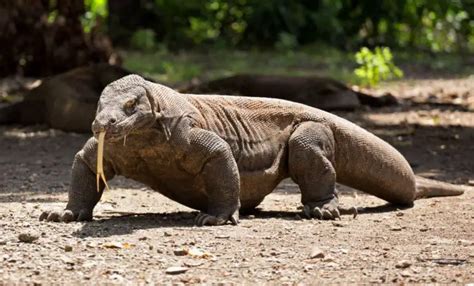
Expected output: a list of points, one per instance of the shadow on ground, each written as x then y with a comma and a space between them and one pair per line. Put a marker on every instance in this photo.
106, 226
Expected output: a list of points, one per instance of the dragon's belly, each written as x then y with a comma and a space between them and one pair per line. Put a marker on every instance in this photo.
161, 168
261, 170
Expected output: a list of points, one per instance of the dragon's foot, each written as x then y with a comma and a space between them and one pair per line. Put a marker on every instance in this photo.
207, 219
66, 215
329, 210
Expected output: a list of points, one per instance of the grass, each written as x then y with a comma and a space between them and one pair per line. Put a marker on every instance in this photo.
178, 67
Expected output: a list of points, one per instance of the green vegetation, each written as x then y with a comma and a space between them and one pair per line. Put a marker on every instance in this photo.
170, 67
143, 39
176, 67
435, 26
96, 10
171, 40
376, 66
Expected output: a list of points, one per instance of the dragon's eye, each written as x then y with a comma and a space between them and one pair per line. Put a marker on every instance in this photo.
130, 105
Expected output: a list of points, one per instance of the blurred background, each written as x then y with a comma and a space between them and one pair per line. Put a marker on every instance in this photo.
360, 41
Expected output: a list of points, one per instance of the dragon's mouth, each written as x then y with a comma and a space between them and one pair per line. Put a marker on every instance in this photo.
110, 136
119, 130
115, 132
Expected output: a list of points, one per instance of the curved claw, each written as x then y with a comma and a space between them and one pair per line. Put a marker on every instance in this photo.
318, 213
348, 211
207, 219
234, 219
204, 219
66, 216
328, 213
335, 214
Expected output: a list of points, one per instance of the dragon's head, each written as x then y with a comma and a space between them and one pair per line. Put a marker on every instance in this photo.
125, 106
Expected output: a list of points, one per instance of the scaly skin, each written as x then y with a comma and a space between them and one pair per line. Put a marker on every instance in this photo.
218, 154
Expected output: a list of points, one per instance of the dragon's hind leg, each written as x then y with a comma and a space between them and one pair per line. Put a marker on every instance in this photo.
311, 166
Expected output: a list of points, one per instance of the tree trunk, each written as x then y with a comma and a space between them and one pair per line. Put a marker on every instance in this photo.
42, 37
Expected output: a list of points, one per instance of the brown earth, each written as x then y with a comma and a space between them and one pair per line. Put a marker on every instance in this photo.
138, 234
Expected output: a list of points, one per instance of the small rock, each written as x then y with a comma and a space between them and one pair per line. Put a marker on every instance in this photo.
3, 242
193, 263
180, 251
344, 251
403, 264
67, 260
198, 253
328, 259
405, 273
395, 228
67, 248
308, 268
316, 253
166, 233
176, 270
27, 237
143, 238
400, 214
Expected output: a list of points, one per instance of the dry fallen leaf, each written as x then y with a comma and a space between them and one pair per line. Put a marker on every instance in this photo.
118, 245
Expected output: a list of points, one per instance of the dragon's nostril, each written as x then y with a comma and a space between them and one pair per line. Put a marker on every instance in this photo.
112, 120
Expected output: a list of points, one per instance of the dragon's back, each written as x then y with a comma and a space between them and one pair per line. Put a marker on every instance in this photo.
257, 129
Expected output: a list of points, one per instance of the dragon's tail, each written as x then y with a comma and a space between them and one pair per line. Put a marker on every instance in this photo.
10, 113
427, 188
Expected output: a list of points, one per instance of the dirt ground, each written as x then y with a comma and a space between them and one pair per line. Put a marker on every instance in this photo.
139, 237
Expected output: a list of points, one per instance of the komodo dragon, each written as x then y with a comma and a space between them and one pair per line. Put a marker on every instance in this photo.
218, 154
67, 101
321, 92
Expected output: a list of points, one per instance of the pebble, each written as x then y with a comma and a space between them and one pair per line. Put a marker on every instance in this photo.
328, 259
316, 253
67, 248
180, 251
403, 264
27, 237
405, 273
176, 270
193, 263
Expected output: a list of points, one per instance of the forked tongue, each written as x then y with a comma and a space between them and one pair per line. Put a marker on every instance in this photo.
100, 162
